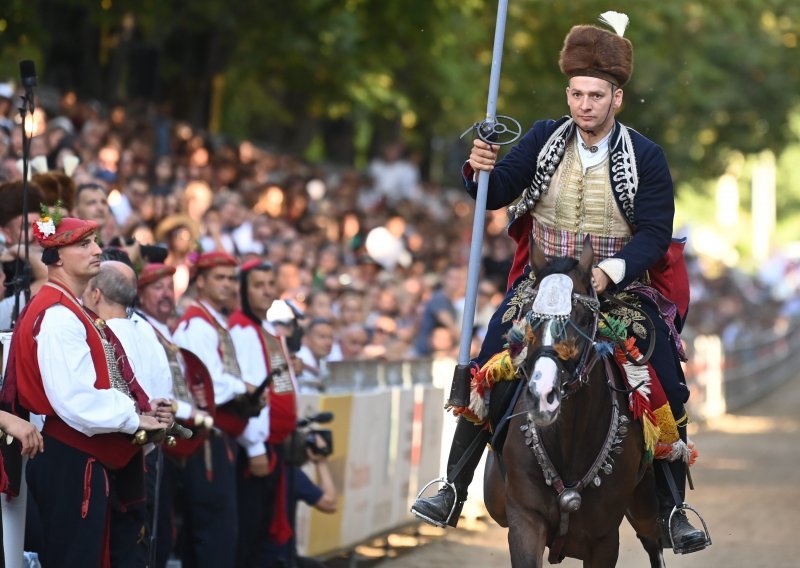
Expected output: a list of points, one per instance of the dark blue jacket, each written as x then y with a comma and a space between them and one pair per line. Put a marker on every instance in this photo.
648, 203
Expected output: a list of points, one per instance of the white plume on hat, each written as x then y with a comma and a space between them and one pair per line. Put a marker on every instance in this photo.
617, 21
70, 163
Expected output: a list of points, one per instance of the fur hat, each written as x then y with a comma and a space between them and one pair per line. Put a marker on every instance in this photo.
590, 51
11, 196
56, 186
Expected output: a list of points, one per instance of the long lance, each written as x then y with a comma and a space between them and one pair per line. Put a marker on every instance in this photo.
459, 389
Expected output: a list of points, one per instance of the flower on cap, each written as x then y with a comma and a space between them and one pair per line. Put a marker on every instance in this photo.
48, 223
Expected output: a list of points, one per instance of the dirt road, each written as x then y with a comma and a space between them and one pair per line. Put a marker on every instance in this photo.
748, 488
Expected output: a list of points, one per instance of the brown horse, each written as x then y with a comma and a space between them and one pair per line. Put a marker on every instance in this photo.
572, 461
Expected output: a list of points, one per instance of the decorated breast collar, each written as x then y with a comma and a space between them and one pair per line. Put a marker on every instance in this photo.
624, 176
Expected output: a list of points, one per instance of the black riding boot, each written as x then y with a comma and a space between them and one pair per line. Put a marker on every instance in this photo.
684, 535
436, 510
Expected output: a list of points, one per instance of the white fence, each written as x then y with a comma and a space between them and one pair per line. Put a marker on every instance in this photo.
726, 378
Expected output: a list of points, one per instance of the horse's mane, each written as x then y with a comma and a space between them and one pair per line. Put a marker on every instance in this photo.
562, 265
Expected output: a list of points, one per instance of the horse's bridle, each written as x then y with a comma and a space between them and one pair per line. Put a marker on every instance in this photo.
569, 379
572, 379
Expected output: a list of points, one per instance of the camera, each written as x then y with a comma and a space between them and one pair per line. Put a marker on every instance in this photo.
327, 442
306, 439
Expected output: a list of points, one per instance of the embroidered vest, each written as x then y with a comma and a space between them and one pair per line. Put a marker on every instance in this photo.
282, 401
113, 449
227, 353
623, 173
227, 421
579, 203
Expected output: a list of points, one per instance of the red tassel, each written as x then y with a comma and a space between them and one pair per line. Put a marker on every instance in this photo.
280, 531
87, 488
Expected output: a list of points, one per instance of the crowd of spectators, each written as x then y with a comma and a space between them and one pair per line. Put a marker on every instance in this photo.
372, 257
360, 252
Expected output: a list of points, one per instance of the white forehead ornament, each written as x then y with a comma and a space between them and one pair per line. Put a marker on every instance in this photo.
554, 298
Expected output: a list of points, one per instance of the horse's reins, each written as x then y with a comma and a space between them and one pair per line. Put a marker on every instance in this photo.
589, 358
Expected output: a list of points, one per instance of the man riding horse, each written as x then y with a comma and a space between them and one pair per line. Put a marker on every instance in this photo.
586, 175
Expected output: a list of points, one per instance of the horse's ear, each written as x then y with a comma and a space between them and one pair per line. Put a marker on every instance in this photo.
587, 255
536, 257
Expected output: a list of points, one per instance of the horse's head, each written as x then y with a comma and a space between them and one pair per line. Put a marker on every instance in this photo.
561, 323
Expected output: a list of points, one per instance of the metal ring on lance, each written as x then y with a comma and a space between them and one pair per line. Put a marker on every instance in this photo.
503, 130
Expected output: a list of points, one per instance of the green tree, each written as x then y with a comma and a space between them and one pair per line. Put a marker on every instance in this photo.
711, 77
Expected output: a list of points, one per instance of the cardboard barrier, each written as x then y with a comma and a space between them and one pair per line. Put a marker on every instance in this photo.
391, 435
387, 444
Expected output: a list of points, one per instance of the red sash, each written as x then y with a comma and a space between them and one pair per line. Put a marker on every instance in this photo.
282, 402
194, 372
670, 277
114, 449
226, 421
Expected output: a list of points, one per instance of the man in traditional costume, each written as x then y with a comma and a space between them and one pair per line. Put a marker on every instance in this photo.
261, 352
110, 295
586, 175
185, 468
63, 366
203, 330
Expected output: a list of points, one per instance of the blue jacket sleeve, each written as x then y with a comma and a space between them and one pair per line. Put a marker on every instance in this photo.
654, 209
514, 172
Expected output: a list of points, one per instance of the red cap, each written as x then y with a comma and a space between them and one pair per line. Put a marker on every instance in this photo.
68, 231
255, 263
213, 259
153, 272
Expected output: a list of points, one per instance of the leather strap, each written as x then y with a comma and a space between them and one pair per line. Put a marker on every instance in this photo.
478, 442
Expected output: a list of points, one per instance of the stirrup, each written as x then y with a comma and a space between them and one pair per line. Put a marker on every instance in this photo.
696, 547
426, 518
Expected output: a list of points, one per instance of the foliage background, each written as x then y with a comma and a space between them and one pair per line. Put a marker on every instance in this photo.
714, 82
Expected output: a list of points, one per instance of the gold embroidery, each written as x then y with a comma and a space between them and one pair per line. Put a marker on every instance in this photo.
522, 297
629, 317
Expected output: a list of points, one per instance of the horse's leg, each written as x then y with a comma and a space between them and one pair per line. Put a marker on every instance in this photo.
643, 517
654, 551
604, 552
494, 489
527, 535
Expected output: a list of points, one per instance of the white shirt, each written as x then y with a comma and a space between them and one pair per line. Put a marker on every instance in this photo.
184, 408
147, 358
238, 241
315, 371
589, 158
68, 376
201, 338
254, 371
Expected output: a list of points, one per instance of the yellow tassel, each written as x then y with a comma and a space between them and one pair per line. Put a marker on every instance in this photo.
499, 368
666, 423
651, 434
